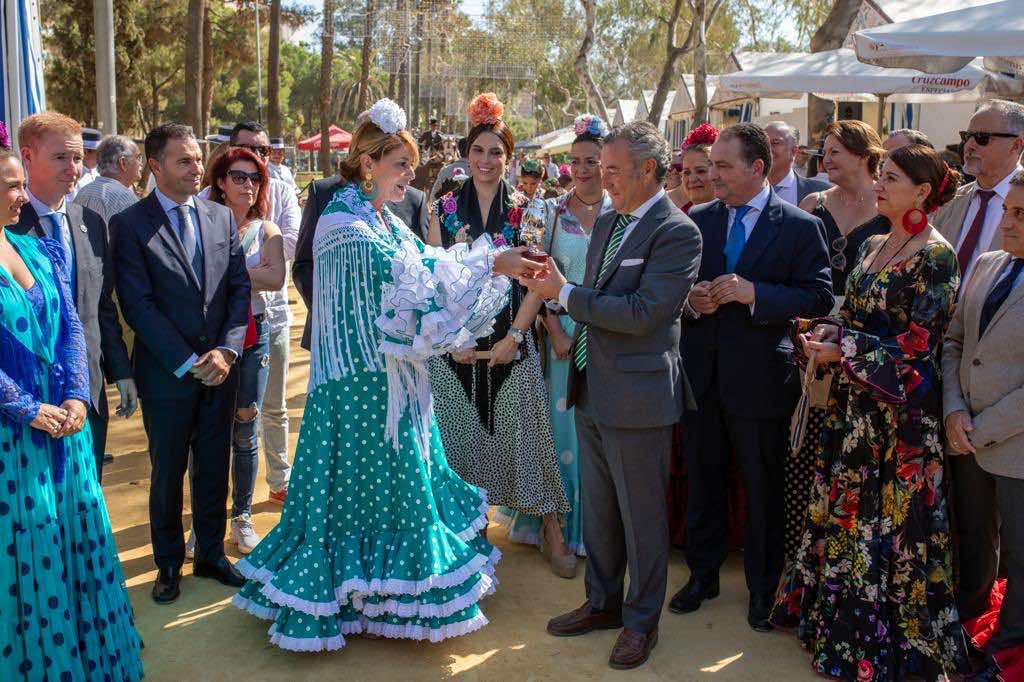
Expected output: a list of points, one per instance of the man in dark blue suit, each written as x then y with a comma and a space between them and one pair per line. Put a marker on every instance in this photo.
184, 290
764, 263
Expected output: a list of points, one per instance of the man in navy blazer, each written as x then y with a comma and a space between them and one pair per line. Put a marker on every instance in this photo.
764, 263
184, 290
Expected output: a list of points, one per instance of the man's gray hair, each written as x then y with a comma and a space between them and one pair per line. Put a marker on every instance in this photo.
111, 150
788, 131
645, 142
1011, 111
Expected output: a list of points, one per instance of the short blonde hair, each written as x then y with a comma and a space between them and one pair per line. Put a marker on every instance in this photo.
375, 143
35, 126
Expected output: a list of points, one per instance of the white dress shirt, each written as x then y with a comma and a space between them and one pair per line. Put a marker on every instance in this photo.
993, 214
552, 169
786, 188
284, 212
636, 216
281, 172
63, 237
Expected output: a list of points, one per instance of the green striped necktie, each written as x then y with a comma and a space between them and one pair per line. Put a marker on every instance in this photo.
618, 232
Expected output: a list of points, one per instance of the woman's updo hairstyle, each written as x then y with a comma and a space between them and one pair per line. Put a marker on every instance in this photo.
373, 141
485, 116
700, 139
923, 164
589, 128
861, 140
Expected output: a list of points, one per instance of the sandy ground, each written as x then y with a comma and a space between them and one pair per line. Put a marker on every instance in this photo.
201, 637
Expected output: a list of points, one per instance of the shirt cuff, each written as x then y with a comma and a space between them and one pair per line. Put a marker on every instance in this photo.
689, 311
230, 350
563, 294
186, 366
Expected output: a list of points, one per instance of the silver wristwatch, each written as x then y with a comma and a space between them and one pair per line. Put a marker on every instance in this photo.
518, 335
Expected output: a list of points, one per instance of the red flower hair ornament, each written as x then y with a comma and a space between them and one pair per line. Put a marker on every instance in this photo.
705, 133
485, 109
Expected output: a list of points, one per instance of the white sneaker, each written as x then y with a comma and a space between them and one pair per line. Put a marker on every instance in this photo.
190, 545
243, 534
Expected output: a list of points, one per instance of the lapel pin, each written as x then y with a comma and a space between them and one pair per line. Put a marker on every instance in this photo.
82, 228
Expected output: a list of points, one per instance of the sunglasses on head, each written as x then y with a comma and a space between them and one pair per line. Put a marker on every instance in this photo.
259, 150
239, 177
982, 138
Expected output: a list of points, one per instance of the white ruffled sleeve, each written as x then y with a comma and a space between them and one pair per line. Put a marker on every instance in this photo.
440, 300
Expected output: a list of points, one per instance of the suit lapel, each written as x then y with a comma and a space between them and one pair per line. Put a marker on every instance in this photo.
598, 243
714, 242
957, 215
30, 222
170, 236
980, 284
766, 229
80, 241
208, 236
641, 232
1016, 295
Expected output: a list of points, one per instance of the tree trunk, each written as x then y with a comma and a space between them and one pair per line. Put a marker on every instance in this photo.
367, 54
417, 59
700, 68
582, 64
274, 70
194, 64
700, 21
829, 36
207, 72
326, 61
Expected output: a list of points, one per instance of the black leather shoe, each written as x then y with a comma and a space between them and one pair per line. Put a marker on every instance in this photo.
690, 597
167, 587
760, 611
220, 570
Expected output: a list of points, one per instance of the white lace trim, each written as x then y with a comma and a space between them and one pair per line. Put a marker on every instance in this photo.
251, 607
484, 587
305, 644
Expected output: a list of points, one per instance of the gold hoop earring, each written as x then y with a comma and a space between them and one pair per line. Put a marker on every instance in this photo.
368, 185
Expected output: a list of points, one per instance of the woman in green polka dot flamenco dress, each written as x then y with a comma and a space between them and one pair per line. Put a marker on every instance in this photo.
378, 535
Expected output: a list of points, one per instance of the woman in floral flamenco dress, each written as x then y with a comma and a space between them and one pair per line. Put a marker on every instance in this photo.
378, 535
871, 591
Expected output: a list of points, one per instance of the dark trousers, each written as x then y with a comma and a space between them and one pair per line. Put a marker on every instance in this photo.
1010, 500
200, 423
976, 521
623, 479
98, 426
760, 447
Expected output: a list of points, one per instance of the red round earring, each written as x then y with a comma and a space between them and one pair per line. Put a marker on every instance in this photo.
914, 221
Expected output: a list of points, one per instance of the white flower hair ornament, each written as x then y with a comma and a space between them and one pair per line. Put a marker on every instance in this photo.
388, 116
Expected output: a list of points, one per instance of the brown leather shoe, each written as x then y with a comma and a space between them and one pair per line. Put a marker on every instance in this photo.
583, 620
632, 649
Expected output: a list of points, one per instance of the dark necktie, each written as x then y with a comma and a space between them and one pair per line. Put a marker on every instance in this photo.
997, 297
618, 232
970, 243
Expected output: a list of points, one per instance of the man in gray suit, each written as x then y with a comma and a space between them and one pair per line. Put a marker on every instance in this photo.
627, 384
983, 400
51, 147
785, 143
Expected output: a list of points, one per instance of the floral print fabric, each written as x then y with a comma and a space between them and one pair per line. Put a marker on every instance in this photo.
872, 591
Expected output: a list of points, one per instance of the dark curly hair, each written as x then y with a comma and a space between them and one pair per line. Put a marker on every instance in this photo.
924, 165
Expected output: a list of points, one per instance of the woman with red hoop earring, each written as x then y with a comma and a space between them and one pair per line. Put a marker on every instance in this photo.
872, 592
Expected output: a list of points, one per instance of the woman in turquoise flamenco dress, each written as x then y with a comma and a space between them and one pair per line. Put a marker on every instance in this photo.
378, 535
64, 610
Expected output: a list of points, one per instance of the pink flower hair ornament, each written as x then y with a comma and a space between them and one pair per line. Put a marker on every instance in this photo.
485, 109
704, 134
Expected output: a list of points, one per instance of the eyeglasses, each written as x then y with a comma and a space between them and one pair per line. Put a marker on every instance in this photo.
838, 259
262, 151
982, 137
239, 177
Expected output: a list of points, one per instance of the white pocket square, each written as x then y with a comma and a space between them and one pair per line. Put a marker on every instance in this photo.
631, 261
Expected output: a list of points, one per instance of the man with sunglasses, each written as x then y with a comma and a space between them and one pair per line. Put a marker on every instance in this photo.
992, 146
283, 211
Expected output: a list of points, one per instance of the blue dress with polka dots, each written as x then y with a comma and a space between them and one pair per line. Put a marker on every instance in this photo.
378, 534
64, 612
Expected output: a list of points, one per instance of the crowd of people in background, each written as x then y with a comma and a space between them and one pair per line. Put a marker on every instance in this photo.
814, 354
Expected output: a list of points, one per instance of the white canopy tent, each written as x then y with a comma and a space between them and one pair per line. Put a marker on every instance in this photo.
838, 74
560, 141
942, 43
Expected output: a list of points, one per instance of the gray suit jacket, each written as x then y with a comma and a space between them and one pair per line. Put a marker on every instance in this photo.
985, 376
805, 186
634, 373
94, 275
949, 220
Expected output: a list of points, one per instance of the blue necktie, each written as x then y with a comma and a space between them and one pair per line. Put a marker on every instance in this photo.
997, 297
190, 240
737, 239
62, 235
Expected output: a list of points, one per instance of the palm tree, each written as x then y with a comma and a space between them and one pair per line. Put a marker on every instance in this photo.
326, 61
